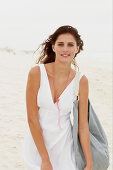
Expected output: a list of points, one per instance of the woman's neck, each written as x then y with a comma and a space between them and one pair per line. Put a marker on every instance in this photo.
61, 69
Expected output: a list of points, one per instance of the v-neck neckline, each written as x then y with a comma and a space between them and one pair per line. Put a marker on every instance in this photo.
50, 88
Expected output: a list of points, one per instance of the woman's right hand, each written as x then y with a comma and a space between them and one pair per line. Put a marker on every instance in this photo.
46, 165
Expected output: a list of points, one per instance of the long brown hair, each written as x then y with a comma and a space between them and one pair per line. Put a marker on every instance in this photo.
47, 55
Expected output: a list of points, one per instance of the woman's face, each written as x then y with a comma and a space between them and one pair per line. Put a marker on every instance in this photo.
65, 47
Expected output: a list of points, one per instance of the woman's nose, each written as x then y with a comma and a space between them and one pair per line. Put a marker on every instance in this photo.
65, 48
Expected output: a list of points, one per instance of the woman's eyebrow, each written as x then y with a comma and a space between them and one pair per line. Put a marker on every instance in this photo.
68, 42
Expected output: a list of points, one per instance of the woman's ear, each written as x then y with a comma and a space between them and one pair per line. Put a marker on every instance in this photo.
53, 47
77, 49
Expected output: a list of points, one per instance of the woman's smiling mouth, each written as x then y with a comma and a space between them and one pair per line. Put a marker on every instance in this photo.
65, 55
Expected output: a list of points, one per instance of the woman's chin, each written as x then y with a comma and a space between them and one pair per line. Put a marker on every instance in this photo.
65, 60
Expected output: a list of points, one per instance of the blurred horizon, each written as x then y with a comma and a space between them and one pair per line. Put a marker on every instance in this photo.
26, 24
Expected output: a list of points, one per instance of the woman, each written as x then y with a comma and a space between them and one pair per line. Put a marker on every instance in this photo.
50, 92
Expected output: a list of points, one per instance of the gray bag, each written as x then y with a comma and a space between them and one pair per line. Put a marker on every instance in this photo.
98, 140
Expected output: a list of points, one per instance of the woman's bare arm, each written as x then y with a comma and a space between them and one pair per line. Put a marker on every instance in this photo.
33, 84
83, 129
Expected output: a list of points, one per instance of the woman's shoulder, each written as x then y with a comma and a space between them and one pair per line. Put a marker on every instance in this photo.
83, 80
34, 76
34, 70
81, 74
81, 77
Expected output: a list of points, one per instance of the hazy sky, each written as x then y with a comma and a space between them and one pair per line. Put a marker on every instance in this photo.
24, 24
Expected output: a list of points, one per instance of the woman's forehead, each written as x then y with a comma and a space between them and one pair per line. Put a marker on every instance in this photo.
66, 38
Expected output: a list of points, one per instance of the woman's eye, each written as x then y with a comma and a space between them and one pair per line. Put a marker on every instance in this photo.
62, 44
70, 44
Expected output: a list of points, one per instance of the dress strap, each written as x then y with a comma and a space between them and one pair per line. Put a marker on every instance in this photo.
42, 72
78, 76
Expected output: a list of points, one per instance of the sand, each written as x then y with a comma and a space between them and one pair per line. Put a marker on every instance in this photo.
14, 67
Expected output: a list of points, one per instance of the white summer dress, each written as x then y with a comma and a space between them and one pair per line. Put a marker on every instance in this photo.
58, 142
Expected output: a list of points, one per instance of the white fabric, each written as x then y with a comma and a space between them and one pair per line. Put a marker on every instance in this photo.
59, 143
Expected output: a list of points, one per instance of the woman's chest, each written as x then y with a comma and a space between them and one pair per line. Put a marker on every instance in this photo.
45, 100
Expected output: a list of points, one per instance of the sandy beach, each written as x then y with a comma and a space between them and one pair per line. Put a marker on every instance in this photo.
14, 68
